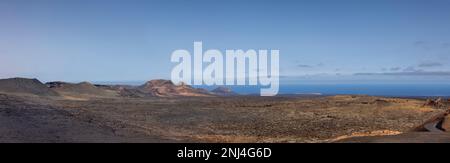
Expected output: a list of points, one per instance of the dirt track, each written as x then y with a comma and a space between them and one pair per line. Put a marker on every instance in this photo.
429, 132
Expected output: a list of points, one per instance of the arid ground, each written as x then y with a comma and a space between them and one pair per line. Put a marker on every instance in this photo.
31, 118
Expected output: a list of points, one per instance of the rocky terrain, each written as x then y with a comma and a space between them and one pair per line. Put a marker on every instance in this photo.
159, 111
165, 88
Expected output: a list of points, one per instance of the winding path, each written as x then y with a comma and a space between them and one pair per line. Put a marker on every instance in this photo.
433, 126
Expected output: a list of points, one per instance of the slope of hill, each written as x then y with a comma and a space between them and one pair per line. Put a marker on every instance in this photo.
125, 91
165, 88
25, 86
223, 91
82, 89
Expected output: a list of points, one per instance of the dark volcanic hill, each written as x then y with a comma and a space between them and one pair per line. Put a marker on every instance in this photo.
223, 91
125, 90
25, 86
165, 88
80, 89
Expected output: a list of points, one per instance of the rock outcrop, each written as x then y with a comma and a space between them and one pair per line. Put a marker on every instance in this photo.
438, 103
223, 91
165, 88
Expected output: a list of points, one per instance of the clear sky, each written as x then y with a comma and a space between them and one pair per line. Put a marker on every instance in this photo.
319, 40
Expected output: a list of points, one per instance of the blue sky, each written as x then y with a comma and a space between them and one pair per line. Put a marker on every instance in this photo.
319, 41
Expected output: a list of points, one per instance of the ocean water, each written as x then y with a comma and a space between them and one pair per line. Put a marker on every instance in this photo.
401, 90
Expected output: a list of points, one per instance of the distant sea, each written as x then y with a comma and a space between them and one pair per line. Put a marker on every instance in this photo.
392, 90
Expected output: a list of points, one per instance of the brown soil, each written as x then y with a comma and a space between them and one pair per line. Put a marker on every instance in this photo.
208, 119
